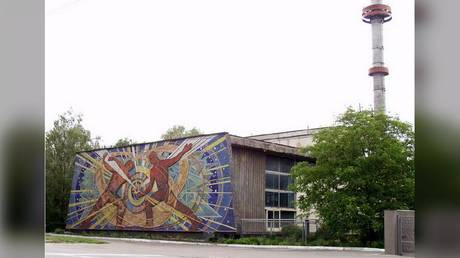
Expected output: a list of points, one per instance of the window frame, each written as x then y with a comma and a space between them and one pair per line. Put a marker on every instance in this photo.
279, 191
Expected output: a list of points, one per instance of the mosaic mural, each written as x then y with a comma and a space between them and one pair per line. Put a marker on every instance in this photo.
177, 185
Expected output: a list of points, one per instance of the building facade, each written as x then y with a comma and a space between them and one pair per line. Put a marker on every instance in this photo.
261, 183
207, 183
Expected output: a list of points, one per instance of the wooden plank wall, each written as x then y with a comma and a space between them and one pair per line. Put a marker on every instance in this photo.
248, 180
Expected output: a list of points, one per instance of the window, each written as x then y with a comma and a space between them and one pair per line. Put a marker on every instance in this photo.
283, 200
272, 163
291, 199
273, 219
276, 199
279, 164
284, 182
277, 181
286, 200
271, 181
271, 199
286, 165
279, 218
287, 214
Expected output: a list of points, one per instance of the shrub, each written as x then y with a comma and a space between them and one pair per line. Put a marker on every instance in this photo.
59, 231
292, 231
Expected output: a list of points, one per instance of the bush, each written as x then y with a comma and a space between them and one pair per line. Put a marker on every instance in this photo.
292, 232
59, 231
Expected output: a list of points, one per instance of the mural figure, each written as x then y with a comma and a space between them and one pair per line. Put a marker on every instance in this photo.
120, 175
159, 173
176, 185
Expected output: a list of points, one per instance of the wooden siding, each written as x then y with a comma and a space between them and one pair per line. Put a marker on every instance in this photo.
249, 185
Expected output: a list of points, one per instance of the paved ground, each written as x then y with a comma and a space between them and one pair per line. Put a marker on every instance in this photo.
135, 250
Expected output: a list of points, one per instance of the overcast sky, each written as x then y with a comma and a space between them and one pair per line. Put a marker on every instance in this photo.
134, 68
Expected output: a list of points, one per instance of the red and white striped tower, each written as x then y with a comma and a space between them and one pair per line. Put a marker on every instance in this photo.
377, 14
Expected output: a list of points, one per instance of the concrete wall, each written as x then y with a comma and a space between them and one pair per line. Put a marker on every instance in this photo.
298, 138
178, 185
394, 234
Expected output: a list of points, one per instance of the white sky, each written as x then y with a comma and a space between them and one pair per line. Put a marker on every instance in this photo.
134, 68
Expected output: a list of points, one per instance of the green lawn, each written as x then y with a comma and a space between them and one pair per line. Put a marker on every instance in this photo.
72, 240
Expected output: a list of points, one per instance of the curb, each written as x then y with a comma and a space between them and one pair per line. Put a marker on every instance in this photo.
290, 247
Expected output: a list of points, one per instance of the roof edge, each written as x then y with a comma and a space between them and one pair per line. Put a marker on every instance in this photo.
293, 131
267, 146
136, 144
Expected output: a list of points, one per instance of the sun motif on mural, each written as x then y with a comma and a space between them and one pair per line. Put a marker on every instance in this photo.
178, 185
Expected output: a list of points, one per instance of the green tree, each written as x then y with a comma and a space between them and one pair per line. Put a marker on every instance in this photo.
364, 165
124, 142
179, 131
67, 137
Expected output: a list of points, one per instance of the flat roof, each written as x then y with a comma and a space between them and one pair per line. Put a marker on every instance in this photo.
300, 131
274, 148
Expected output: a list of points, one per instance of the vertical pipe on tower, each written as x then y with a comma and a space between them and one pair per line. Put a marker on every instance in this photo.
377, 14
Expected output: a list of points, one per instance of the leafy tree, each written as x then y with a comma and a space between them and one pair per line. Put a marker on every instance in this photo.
124, 142
67, 137
364, 165
179, 131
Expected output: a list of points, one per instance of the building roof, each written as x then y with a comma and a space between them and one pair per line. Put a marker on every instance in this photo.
270, 147
287, 134
244, 142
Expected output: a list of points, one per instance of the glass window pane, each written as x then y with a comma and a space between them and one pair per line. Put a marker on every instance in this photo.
277, 217
286, 165
287, 214
270, 214
291, 199
268, 198
276, 198
271, 199
284, 181
284, 200
271, 181
272, 163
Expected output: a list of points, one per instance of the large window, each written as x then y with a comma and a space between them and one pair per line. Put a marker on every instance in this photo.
279, 164
278, 218
277, 181
276, 199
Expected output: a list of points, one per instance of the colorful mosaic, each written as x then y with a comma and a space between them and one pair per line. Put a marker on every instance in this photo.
177, 185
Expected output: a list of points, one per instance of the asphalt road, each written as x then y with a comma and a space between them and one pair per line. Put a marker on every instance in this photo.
130, 249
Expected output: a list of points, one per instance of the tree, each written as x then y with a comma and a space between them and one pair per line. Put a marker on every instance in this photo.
364, 165
179, 131
67, 137
124, 142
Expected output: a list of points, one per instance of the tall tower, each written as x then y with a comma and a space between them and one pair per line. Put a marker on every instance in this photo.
377, 14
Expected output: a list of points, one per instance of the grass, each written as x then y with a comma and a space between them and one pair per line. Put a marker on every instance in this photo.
146, 235
289, 236
72, 240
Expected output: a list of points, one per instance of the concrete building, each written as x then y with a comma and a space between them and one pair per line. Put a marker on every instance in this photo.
263, 201
208, 183
296, 138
